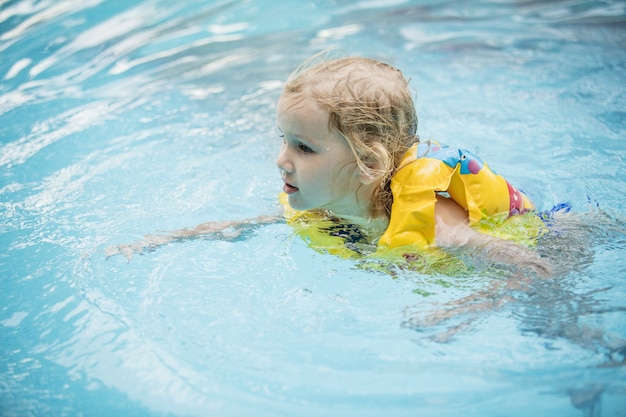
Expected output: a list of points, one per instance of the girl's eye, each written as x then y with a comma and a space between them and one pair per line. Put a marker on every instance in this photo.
305, 148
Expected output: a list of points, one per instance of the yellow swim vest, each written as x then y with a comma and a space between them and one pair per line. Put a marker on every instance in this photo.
427, 169
325, 234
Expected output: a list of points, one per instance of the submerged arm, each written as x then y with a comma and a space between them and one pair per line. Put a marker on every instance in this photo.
453, 231
221, 230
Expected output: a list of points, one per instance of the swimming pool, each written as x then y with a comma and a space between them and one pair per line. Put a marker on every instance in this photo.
120, 119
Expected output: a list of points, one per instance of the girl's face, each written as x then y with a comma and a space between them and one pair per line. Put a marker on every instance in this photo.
316, 164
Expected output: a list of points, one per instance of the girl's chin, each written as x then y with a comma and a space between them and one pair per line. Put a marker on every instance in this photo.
296, 203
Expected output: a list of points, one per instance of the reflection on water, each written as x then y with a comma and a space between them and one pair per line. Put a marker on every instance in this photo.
555, 309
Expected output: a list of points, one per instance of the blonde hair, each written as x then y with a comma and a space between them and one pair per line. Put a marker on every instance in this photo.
369, 103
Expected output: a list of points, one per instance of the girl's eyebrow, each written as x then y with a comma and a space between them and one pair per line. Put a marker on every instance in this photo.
298, 136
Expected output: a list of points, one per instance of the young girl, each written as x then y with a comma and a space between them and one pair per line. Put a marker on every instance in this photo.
357, 177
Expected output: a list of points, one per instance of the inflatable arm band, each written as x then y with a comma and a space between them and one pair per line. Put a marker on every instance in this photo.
429, 169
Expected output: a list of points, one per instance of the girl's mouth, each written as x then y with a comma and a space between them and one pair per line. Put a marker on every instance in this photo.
289, 189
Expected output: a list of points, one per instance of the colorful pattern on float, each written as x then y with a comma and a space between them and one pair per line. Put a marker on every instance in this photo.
429, 169
325, 234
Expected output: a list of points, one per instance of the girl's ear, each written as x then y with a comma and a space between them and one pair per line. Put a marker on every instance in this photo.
377, 164
368, 177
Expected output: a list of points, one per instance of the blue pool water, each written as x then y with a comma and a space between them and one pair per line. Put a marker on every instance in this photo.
120, 119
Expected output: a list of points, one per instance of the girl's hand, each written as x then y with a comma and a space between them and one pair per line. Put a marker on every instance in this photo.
221, 230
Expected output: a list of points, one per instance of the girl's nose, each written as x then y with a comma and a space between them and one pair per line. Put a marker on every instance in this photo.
283, 162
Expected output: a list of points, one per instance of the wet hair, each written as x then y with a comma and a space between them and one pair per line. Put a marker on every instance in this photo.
370, 105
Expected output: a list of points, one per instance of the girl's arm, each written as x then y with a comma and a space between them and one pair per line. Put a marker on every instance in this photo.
223, 230
452, 230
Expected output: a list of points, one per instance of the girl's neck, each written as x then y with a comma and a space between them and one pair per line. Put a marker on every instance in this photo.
371, 219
